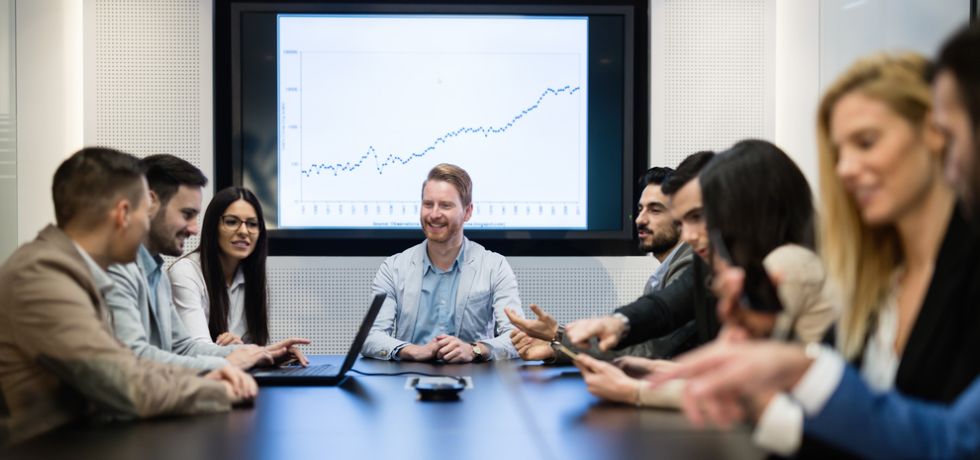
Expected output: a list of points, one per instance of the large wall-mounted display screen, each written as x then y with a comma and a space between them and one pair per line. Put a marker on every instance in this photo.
333, 114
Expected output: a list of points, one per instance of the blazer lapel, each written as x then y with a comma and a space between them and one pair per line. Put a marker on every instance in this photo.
944, 307
467, 272
151, 317
164, 318
411, 295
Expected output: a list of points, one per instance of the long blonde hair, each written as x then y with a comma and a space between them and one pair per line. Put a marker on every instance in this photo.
860, 258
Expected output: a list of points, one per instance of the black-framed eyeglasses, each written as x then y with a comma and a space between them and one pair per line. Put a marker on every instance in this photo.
233, 223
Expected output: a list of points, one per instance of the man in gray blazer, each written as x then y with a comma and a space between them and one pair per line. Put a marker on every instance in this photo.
446, 295
658, 232
141, 302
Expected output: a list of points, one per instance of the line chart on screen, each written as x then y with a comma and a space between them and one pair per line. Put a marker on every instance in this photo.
368, 105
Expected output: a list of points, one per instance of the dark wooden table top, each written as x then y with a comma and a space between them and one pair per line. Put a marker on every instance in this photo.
514, 411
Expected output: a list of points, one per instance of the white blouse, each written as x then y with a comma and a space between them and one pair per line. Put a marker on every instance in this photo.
191, 298
880, 362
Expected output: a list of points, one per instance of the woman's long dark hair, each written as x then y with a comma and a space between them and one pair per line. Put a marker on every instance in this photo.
253, 267
757, 199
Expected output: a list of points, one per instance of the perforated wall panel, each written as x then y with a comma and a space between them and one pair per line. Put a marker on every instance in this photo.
148, 85
712, 68
325, 299
148, 76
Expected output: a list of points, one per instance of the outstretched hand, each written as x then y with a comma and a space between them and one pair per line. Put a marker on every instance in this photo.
543, 328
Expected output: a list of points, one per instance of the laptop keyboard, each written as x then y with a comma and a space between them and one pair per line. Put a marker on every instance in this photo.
297, 370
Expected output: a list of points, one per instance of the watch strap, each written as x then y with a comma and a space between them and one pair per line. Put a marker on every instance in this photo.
478, 354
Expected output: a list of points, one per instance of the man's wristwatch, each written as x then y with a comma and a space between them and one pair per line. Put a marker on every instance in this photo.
478, 355
559, 335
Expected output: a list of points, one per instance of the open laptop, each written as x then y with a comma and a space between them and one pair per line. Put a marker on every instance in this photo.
323, 374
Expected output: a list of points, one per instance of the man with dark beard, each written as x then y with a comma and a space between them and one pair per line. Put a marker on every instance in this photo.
659, 234
446, 295
143, 313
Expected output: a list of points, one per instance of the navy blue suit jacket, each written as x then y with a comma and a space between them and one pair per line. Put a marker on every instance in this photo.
891, 425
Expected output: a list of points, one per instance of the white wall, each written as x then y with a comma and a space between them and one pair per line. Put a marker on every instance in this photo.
796, 83
49, 103
812, 42
853, 28
816, 41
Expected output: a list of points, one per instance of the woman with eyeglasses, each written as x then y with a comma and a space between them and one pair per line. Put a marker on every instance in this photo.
220, 288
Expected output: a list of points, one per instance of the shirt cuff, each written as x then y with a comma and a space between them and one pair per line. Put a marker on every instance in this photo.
626, 323
490, 350
819, 382
394, 352
780, 428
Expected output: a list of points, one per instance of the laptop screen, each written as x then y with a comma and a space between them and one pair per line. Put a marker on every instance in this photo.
363, 332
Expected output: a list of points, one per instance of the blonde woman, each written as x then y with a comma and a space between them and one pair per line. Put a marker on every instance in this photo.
892, 236
894, 242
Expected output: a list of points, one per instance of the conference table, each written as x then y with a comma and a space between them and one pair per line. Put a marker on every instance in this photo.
514, 410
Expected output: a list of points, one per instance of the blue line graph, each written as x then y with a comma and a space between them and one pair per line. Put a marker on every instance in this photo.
392, 159
503, 97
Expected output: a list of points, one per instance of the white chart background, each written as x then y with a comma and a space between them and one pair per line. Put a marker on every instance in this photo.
369, 105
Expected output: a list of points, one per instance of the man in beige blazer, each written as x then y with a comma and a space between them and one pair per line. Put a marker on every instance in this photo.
58, 359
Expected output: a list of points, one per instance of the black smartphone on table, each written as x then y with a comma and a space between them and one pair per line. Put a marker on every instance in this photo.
565, 351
